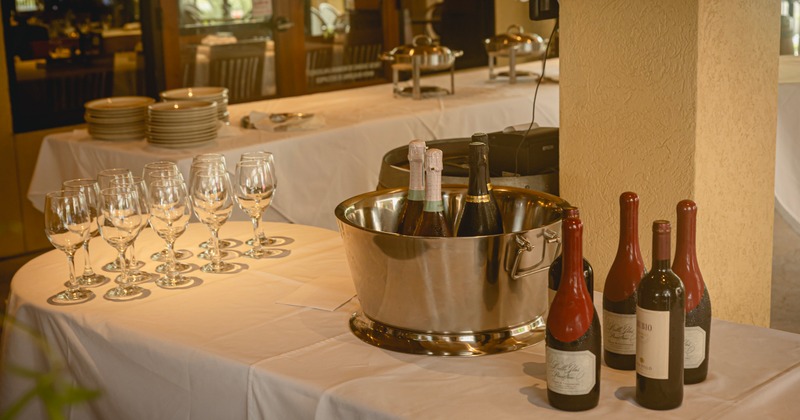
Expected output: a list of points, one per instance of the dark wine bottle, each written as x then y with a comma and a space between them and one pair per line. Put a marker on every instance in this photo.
412, 206
697, 334
433, 221
480, 216
573, 335
554, 273
619, 292
659, 329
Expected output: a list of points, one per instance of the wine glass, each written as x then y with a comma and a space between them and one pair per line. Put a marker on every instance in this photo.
66, 224
254, 186
261, 155
202, 162
120, 219
212, 202
88, 187
153, 171
170, 211
137, 184
104, 179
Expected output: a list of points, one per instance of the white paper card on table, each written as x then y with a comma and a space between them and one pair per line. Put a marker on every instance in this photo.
326, 293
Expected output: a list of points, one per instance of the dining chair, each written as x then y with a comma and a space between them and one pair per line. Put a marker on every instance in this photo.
238, 67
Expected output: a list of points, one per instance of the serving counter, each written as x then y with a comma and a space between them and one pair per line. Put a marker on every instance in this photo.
256, 344
337, 159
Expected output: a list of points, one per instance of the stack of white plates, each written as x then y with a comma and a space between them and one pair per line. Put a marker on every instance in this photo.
205, 93
182, 123
117, 118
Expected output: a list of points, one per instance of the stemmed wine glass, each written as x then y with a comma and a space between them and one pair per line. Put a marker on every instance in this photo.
120, 220
88, 187
212, 202
104, 179
66, 223
202, 161
170, 211
267, 157
137, 184
163, 169
254, 186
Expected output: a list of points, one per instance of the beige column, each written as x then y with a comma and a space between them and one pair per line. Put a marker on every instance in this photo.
675, 99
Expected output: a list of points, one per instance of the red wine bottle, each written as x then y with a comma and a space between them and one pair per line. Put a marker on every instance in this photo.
697, 334
659, 329
412, 206
433, 221
573, 335
619, 293
554, 273
480, 216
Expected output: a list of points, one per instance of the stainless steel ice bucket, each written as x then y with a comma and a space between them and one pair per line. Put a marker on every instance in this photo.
451, 296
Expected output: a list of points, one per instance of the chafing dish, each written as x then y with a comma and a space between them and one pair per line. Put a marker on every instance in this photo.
421, 55
513, 44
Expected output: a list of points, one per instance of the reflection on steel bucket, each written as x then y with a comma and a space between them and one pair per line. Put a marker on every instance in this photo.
451, 296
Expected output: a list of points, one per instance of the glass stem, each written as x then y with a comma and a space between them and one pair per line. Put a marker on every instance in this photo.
133, 256
73, 285
256, 237
215, 256
172, 272
87, 264
123, 269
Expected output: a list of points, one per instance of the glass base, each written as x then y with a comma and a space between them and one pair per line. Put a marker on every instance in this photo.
262, 253
122, 293
94, 280
222, 244
265, 241
135, 276
222, 267
177, 282
113, 267
68, 297
205, 255
162, 268
161, 256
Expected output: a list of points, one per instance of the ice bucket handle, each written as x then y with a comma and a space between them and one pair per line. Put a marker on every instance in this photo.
525, 245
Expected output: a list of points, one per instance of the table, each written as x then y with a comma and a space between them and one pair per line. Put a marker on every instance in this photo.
226, 349
320, 168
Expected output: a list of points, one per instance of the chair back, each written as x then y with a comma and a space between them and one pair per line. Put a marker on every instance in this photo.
240, 68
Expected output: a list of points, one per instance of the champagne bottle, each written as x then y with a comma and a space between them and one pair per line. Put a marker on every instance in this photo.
433, 221
697, 334
412, 206
480, 216
659, 329
573, 334
619, 293
554, 273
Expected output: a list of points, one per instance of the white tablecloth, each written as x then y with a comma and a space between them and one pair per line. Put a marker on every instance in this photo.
318, 169
226, 350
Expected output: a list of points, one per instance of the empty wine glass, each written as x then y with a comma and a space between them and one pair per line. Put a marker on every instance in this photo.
203, 162
137, 184
261, 155
212, 202
88, 187
104, 179
254, 186
120, 219
66, 224
170, 211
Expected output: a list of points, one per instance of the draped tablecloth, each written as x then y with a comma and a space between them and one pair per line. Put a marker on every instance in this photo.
226, 349
318, 169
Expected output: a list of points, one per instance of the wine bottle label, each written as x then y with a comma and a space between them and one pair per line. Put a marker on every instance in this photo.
694, 347
652, 343
416, 195
570, 372
619, 332
433, 206
478, 198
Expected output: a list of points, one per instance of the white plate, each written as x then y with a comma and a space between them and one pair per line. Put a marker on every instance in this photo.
202, 92
171, 128
119, 103
182, 107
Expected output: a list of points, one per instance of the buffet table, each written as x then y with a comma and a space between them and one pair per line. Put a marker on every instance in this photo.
268, 341
337, 159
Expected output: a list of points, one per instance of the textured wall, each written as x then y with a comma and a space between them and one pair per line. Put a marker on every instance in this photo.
631, 81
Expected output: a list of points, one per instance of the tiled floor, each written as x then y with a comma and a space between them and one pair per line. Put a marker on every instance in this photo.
785, 277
